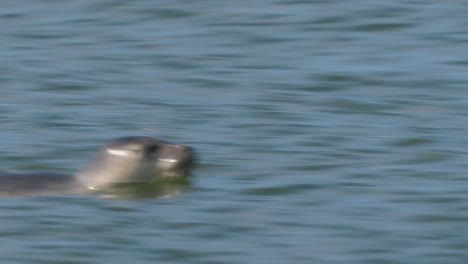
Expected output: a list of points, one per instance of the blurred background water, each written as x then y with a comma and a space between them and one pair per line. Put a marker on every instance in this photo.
328, 131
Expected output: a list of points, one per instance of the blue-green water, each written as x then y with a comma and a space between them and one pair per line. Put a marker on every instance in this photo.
327, 131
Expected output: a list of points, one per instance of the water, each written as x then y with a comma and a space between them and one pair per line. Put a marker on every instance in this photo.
328, 131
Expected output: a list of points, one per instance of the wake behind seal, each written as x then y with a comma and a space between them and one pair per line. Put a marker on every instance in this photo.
124, 161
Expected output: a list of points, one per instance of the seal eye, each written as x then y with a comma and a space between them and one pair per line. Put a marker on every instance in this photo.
151, 149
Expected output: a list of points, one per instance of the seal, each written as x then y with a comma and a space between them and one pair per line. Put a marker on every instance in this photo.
124, 161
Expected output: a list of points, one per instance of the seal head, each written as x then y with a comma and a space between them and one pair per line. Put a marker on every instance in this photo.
136, 160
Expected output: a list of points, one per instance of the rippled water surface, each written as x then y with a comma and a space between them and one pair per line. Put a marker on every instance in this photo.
327, 131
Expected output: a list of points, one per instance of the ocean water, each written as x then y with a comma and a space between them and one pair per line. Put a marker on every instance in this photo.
327, 131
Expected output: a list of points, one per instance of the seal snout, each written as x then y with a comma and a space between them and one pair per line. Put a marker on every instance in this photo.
187, 156
176, 158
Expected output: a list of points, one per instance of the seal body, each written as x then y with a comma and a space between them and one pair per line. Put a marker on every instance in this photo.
127, 160
37, 184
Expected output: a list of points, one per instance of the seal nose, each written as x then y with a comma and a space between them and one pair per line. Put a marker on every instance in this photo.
180, 156
187, 154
